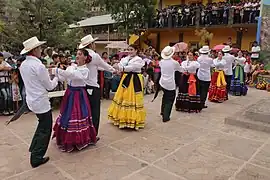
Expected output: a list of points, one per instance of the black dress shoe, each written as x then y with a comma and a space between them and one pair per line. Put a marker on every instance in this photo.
166, 120
98, 138
43, 161
205, 107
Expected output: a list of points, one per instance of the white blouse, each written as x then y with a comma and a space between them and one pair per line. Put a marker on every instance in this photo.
190, 66
129, 64
74, 75
219, 64
240, 61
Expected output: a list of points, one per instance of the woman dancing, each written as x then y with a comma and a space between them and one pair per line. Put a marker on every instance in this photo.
217, 90
127, 108
74, 128
188, 99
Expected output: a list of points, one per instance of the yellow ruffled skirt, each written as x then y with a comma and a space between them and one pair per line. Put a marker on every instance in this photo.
127, 108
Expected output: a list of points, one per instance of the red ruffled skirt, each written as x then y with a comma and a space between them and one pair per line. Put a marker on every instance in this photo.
217, 93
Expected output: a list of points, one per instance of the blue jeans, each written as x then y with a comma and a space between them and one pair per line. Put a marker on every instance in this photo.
4, 90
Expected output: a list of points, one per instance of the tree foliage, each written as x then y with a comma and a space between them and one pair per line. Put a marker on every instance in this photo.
205, 36
62, 13
132, 14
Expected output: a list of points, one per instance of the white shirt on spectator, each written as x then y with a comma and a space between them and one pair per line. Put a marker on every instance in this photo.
4, 73
168, 68
190, 66
204, 73
96, 64
229, 63
37, 83
255, 50
247, 67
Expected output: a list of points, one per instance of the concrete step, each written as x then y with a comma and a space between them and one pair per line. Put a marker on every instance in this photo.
257, 116
247, 123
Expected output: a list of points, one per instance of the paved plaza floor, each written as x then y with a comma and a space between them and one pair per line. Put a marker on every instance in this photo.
189, 147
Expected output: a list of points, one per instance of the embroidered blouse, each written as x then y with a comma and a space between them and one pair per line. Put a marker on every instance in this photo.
190, 66
131, 64
74, 75
219, 64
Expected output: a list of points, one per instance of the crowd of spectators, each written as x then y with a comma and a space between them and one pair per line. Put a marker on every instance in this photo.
210, 14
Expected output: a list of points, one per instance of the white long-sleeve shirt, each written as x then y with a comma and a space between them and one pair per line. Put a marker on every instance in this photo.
131, 64
37, 83
168, 68
190, 66
240, 61
219, 64
75, 76
204, 72
96, 64
229, 63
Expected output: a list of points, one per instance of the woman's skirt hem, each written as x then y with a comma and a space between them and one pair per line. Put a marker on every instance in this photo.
78, 136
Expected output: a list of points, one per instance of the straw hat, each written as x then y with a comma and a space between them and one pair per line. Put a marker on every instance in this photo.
204, 50
85, 41
31, 44
167, 52
226, 49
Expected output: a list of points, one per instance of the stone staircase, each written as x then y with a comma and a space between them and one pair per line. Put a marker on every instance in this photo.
256, 117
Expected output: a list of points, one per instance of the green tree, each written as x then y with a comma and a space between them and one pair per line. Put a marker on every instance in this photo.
50, 20
131, 14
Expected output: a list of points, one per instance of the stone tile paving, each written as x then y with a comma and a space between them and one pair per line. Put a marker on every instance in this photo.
189, 147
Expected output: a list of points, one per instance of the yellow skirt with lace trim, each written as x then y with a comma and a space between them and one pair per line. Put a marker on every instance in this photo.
127, 108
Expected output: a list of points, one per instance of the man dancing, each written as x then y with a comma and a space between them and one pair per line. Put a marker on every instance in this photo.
37, 84
93, 88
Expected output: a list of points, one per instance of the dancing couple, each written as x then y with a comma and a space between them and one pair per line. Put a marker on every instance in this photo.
77, 125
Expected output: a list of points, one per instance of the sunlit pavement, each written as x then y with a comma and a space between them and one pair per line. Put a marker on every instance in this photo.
189, 147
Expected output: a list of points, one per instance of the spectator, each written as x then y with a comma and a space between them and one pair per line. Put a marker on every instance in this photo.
5, 68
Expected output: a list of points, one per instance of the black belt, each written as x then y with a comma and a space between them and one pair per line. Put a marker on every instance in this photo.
136, 81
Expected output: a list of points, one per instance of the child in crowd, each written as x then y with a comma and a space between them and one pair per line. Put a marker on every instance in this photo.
148, 84
16, 95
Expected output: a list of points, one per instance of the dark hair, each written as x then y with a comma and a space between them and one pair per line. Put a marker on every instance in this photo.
193, 53
55, 56
61, 55
104, 53
221, 53
1, 54
86, 53
135, 47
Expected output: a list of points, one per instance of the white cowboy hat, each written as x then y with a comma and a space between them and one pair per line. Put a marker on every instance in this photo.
31, 44
167, 52
204, 50
85, 41
226, 49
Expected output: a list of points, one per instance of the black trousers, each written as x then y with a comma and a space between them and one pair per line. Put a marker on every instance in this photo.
41, 139
94, 96
167, 103
228, 79
204, 87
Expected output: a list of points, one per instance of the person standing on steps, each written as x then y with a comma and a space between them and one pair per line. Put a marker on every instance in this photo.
37, 83
92, 86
